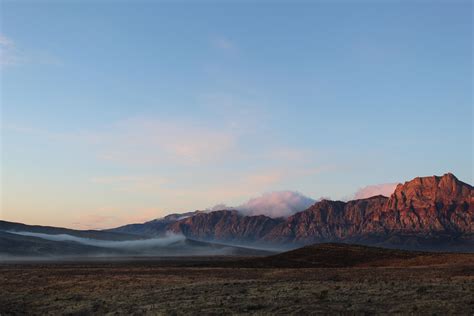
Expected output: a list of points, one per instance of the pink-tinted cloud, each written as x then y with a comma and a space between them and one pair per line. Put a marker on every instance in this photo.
277, 204
151, 141
385, 189
272, 204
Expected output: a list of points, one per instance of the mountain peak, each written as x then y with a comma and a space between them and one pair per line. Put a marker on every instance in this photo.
426, 191
450, 176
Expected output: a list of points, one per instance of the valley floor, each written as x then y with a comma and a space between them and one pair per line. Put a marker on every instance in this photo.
158, 288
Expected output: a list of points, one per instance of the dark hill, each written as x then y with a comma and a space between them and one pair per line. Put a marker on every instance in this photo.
17, 246
333, 255
93, 234
14, 245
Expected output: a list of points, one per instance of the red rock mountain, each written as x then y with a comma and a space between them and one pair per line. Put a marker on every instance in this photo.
431, 204
424, 211
422, 207
225, 225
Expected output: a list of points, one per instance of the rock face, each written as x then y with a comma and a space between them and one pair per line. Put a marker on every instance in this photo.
424, 210
431, 204
421, 207
225, 225
329, 221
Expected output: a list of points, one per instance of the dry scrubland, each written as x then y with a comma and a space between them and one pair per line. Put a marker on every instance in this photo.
439, 287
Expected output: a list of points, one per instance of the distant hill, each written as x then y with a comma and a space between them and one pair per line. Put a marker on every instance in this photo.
14, 245
25, 241
332, 255
94, 234
155, 227
428, 213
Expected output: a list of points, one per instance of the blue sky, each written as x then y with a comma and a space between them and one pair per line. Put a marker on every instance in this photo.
125, 111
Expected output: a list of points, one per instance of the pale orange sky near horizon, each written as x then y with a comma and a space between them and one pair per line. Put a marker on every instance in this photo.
120, 112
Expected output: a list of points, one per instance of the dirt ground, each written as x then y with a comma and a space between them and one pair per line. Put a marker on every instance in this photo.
155, 288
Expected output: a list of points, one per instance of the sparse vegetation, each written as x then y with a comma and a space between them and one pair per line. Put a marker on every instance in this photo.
170, 289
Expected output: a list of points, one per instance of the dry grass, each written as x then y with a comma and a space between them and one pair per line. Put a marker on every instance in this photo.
154, 288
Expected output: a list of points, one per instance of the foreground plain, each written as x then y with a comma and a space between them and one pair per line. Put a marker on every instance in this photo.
415, 284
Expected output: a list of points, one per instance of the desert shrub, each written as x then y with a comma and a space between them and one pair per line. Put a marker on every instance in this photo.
323, 295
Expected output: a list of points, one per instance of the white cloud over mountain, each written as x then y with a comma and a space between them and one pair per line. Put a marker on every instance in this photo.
385, 189
273, 204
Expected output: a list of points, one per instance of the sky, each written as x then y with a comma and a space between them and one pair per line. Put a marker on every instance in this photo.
123, 111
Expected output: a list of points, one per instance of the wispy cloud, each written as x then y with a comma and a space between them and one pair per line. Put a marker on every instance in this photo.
157, 165
154, 141
11, 54
223, 43
132, 183
6, 42
8, 52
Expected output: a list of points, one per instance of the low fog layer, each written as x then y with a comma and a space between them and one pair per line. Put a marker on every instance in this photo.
58, 246
119, 244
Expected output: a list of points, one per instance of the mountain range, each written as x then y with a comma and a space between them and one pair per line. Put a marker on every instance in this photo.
431, 213
426, 213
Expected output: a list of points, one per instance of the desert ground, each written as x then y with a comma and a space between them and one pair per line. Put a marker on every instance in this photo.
219, 286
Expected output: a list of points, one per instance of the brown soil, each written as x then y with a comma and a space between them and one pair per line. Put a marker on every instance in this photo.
425, 286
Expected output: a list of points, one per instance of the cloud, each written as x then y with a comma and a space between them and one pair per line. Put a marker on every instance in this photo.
153, 141
171, 164
272, 204
219, 207
5, 42
223, 43
385, 189
132, 183
11, 54
8, 52
277, 204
